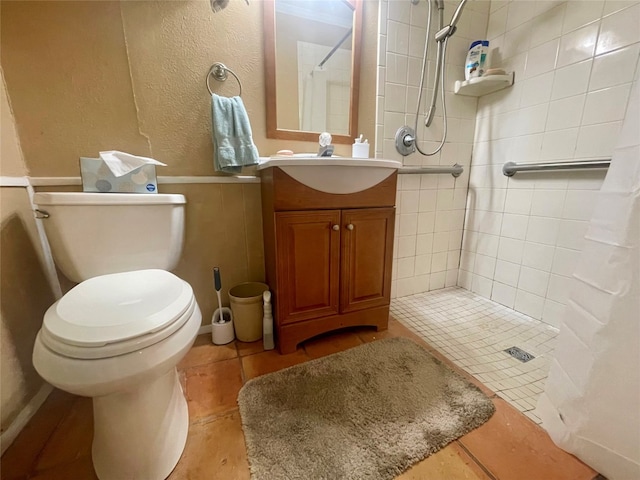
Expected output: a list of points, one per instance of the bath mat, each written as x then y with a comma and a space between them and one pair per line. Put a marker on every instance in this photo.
366, 413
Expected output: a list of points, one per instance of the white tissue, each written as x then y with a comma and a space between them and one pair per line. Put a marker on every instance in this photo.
121, 163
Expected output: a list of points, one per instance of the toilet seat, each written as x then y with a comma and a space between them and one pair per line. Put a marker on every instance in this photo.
117, 314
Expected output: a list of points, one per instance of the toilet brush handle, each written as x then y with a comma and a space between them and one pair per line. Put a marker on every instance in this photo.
216, 279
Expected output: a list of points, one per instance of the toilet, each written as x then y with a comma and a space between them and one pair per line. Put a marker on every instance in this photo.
118, 335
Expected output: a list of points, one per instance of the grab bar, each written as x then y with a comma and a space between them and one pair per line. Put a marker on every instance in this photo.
511, 168
455, 170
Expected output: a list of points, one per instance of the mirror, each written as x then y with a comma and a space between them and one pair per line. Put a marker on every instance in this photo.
312, 68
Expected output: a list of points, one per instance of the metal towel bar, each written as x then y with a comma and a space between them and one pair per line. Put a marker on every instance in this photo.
511, 168
455, 170
219, 72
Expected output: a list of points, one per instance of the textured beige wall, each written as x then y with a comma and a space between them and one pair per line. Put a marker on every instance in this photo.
87, 76
24, 292
11, 161
25, 297
91, 76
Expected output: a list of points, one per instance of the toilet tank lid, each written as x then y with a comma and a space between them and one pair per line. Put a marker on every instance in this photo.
83, 198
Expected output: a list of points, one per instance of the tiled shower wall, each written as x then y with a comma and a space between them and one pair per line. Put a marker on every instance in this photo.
430, 208
574, 63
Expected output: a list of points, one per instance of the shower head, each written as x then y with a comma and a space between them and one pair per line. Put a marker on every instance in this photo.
450, 29
217, 5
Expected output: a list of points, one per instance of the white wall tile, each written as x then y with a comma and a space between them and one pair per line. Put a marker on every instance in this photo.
529, 304
514, 226
559, 287
553, 313
510, 250
548, 25
614, 68
577, 45
619, 30
542, 59
484, 266
597, 140
571, 234
547, 203
406, 246
565, 113
437, 280
424, 243
536, 90
559, 144
537, 255
439, 262
579, 204
533, 281
507, 273
405, 267
503, 294
482, 286
607, 105
571, 80
543, 230
422, 264
579, 14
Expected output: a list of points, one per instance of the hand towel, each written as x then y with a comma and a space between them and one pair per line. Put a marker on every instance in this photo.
233, 146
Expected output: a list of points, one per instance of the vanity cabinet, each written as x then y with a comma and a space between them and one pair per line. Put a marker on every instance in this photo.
328, 256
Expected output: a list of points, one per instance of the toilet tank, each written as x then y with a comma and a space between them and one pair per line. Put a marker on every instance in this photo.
95, 234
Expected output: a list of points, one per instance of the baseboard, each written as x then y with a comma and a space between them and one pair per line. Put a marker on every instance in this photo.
9, 435
204, 329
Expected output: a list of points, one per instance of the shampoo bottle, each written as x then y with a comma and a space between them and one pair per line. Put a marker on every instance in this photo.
474, 66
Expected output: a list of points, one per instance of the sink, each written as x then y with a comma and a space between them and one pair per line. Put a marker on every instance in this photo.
340, 175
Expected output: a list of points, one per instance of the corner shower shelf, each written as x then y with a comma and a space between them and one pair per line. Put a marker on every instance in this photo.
476, 87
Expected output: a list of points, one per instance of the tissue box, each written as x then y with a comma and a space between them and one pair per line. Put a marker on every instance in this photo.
96, 177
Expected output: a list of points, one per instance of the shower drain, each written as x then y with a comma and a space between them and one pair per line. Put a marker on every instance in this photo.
520, 354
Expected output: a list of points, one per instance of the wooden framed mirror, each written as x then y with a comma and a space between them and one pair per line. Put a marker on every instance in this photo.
312, 68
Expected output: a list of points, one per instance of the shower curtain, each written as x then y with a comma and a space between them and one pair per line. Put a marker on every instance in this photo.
314, 102
591, 403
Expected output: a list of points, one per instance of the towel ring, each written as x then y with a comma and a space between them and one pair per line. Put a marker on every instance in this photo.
219, 72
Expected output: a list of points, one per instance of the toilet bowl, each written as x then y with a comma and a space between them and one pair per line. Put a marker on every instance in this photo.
119, 334
118, 338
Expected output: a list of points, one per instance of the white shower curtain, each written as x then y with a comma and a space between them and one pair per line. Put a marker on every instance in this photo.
591, 403
314, 102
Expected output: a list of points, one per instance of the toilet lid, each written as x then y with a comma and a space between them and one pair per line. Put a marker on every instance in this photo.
115, 309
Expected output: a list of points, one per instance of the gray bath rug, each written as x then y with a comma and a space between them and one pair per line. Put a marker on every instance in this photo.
366, 413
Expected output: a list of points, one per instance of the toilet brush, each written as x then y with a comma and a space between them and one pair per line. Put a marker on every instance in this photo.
222, 321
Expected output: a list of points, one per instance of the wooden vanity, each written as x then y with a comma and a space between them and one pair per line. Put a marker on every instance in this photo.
328, 256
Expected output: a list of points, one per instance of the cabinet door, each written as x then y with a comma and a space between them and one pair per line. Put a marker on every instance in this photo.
308, 264
366, 256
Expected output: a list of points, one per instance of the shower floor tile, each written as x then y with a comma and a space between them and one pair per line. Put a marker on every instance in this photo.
473, 333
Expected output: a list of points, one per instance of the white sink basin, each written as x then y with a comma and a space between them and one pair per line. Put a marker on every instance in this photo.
339, 175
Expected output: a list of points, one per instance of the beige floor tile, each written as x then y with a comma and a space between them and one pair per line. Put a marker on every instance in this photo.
331, 343
79, 469
271, 361
249, 348
20, 458
72, 439
215, 451
371, 334
204, 352
213, 389
450, 463
509, 445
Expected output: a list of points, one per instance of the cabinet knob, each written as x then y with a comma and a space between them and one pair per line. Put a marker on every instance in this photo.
350, 226
336, 227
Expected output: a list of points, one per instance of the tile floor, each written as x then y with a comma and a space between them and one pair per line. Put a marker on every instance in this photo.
56, 443
473, 333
